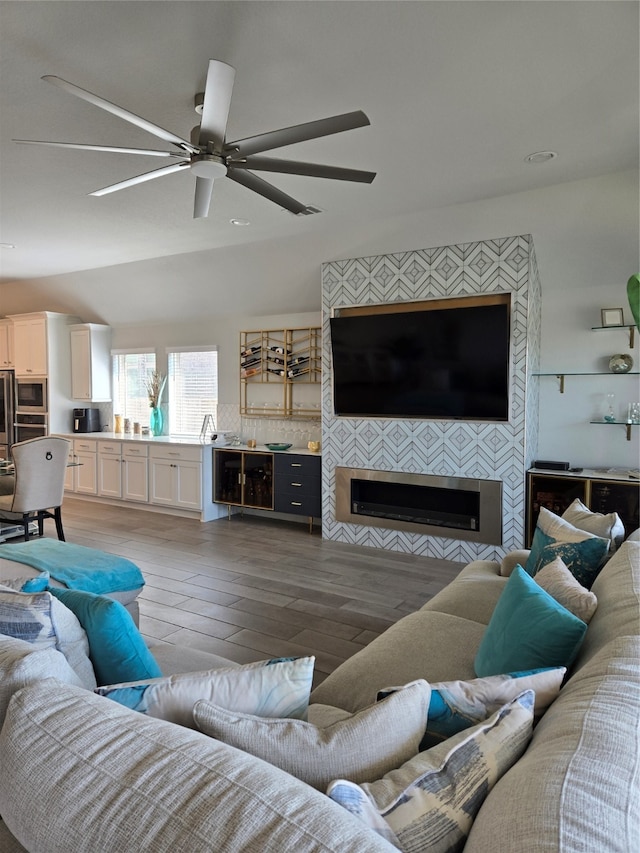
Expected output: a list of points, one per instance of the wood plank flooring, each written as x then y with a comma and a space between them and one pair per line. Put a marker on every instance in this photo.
248, 588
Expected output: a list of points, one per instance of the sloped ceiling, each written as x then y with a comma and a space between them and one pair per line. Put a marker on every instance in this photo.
458, 93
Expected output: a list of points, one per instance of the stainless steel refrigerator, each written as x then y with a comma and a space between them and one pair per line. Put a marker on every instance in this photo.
7, 411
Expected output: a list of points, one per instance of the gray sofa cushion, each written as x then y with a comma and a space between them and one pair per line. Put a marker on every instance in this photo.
472, 594
97, 776
430, 645
577, 783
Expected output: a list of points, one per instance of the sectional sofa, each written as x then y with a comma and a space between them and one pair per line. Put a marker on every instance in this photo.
80, 773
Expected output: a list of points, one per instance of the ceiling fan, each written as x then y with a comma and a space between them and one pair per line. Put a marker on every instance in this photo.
209, 156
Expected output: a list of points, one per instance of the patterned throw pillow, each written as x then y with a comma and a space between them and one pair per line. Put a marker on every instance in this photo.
558, 581
583, 553
363, 746
40, 619
272, 688
528, 629
607, 526
431, 801
27, 616
458, 705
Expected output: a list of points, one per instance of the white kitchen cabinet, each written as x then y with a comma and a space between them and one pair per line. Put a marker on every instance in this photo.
90, 362
135, 474
30, 346
110, 469
83, 477
175, 475
6, 344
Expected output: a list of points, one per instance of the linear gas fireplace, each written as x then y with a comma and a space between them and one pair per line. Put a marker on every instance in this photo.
454, 507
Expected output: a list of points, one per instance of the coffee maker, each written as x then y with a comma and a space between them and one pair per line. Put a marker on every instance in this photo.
86, 420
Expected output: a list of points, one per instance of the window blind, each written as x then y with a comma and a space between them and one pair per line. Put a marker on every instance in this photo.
193, 388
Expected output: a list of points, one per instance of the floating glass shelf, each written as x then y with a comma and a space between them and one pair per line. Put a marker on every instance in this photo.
617, 423
561, 374
631, 328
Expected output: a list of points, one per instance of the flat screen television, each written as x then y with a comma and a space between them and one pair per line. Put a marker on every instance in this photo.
449, 361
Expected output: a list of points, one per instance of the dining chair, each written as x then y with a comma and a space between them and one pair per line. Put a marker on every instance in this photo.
40, 467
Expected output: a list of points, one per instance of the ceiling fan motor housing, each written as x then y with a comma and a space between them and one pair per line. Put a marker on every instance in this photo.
205, 165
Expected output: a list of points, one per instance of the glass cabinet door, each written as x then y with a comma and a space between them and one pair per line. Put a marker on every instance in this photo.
243, 479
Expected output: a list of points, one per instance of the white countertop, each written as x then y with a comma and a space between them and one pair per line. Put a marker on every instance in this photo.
179, 439
621, 474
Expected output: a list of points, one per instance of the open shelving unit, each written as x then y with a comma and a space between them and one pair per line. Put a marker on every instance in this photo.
284, 358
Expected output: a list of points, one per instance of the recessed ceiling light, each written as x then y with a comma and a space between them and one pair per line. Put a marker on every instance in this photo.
540, 157
240, 222
7, 245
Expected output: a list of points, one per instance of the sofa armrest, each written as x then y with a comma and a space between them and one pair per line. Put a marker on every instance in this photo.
511, 560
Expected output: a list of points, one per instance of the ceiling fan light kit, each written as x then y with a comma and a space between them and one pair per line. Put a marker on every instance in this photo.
210, 157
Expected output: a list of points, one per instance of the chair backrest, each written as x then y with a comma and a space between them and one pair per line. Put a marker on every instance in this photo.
40, 466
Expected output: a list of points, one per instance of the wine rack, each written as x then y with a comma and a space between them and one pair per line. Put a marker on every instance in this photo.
275, 365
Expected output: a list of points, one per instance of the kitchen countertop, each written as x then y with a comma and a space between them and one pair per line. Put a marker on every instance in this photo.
183, 440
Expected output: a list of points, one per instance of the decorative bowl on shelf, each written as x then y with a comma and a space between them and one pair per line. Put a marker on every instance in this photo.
273, 446
620, 363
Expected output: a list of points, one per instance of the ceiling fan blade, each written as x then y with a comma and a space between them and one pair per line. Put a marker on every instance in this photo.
297, 133
140, 179
293, 167
120, 112
108, 148
253, 182
217, 100
204, 189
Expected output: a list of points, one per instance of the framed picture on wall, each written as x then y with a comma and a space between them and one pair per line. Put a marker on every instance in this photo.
612, 316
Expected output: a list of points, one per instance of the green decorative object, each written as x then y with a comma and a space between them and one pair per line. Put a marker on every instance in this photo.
633, 292
156, 421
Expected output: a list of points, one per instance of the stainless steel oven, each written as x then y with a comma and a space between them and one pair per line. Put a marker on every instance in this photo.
6, 412
31, 394
28, 425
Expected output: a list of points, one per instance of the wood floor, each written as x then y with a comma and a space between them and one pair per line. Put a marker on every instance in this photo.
250, 588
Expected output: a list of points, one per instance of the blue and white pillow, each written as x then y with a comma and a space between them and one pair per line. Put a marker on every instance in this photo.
458, 705
583, 553
430, 802
272, 688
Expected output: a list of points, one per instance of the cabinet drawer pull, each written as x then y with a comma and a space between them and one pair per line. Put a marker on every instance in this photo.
296, 503
296, 484
296, 464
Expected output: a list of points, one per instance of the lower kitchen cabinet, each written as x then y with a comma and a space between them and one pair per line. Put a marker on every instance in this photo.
110, 469
175, 476
83, 477
135, 473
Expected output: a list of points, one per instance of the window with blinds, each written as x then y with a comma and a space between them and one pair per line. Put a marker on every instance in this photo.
193, 388
131, 371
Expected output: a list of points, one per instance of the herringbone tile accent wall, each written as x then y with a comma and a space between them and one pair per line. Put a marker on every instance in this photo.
447, 448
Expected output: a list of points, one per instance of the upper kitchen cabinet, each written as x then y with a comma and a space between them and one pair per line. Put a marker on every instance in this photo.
30, 345
6, 344
90, 362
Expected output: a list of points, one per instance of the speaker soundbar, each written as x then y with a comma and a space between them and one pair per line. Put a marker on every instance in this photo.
550, 465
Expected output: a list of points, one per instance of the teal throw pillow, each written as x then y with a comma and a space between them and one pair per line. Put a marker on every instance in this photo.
529, 629
117, 650
582, 552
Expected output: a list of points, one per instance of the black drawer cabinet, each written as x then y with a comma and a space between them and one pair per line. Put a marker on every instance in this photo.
297, 484
283, 482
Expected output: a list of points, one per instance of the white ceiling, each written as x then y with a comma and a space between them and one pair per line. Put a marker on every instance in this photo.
458, 93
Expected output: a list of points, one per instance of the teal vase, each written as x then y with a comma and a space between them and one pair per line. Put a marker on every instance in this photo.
156, 420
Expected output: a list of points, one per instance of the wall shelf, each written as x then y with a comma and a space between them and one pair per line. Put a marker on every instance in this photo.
560, 376
631, 329
617, 423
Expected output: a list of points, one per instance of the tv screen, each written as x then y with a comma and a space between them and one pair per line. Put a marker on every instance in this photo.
445, 362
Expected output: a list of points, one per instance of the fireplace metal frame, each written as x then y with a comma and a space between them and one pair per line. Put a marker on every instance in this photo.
490, 510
